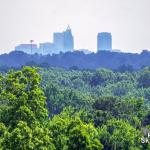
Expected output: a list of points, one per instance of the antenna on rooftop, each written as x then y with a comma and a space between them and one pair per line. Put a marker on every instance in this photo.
68, 27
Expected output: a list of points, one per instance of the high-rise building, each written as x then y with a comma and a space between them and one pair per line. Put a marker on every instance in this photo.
58, 40
104, 41
68, 39
64, 41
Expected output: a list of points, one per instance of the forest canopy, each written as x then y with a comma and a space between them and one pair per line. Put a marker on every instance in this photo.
58, 109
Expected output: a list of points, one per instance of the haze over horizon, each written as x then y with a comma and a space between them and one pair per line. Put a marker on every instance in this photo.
127, 20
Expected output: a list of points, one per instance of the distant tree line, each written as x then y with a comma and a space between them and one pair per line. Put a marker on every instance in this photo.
78, 60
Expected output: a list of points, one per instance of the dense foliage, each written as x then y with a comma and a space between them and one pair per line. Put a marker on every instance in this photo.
77, 59
57, 109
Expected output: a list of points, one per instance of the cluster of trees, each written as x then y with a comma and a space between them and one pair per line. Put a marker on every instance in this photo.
56, 109
105, 59
101, 82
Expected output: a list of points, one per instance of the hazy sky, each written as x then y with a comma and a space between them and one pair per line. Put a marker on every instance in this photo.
127, 20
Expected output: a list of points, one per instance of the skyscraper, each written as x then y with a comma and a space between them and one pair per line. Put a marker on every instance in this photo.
68, 39
58, 40
104, 41
64, 41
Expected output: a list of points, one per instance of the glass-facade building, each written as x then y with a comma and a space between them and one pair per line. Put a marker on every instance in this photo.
64, 41
68, 39
104, 41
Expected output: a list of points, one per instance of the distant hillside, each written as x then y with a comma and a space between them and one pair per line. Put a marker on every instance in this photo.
79, 60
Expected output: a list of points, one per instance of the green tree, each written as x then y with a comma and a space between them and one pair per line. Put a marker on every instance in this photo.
144, 79
82, 136
24, 137
131, 109
26, 101
26, 114
101, 76
71, 133
119, 134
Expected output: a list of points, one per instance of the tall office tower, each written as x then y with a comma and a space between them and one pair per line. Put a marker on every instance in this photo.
58, 40
104, 41
68, 39
63, 41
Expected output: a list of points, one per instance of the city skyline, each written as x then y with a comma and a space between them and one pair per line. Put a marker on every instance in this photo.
127, 20
62, 42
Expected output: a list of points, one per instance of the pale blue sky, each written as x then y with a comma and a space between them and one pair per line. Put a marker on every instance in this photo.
127, 20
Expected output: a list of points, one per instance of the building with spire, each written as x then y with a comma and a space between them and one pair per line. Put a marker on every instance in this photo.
64, 41
68, 39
